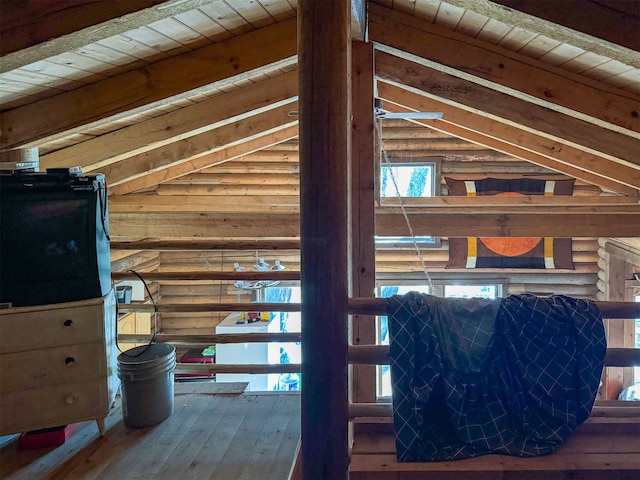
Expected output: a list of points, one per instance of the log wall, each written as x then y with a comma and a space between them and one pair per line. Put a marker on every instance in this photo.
266, 183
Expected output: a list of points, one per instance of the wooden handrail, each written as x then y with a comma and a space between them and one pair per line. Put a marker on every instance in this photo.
384, 410
209, 307
379, 355
284, 275
378, 306
259, 369
193, 340
357, 306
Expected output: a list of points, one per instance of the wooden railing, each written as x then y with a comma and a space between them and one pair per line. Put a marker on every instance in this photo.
357, 354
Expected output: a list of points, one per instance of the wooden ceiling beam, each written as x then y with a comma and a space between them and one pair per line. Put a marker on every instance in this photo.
203, 203
499, 201
203, 225
138, 90
492, 221
494, 67
200, 203
177, 125
197, 145
32, 30
500, 224
207, 245
519, 143
276, 129
509, 109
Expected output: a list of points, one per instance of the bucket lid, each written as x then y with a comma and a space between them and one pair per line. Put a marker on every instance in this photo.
146, 353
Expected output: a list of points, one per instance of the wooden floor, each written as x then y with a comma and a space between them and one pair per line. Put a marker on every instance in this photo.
210, 435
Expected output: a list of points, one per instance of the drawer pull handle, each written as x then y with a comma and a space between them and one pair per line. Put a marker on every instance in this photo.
68, 323
69, 361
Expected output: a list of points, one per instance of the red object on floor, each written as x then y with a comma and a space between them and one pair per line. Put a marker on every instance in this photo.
47, 437
195, 356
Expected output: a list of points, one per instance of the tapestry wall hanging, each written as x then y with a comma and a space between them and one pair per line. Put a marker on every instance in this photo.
536, 252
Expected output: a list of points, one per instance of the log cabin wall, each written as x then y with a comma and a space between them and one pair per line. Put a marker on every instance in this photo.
266, 183
618, 280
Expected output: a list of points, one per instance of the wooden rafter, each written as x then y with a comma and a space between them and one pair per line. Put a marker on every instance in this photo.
134, 91
199, 145
509, 109
497, 68
263, 136
519, 143
177, 125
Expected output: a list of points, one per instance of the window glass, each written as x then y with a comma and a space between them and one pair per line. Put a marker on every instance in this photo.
636, 370
469, 291
413, 180
284, 352
384, 376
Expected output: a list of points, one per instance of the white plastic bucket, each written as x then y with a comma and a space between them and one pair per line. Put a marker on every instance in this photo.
147, 383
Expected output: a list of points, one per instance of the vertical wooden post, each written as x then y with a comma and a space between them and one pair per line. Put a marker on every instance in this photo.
324, 59
363, 252
619, 271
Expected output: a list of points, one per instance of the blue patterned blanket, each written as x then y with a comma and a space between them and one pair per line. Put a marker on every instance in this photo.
470, 377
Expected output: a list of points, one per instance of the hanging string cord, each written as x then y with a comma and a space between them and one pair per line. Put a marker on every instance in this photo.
155, 320
404, 211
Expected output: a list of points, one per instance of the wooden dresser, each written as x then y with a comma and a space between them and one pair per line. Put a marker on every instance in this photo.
57, 364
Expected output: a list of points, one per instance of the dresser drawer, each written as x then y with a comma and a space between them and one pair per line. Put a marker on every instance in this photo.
26, 410
52, 366
30, 328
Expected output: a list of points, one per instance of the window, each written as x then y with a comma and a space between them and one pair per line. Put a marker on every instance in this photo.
383, 381
636, 370
285, 352
411, 180
407, 180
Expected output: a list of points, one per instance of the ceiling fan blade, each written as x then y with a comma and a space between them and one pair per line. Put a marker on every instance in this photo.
411, 115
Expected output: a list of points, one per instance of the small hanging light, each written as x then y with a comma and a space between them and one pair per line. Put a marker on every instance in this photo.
278, 266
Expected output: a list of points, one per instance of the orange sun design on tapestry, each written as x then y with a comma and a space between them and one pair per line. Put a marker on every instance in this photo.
510, 247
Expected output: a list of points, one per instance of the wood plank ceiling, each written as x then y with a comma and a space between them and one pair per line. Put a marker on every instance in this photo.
188, 107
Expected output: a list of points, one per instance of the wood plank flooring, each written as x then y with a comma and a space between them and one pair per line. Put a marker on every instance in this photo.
217, 436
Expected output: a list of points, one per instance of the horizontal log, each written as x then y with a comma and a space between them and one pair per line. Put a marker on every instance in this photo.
382, 410
211, 307
357, 306
192, 248
195, 244
379, 355
525, 201
377, 306
202, 203
189, 340
541, 277
259, 369
208, 275
172, 189
445, 221
438, 222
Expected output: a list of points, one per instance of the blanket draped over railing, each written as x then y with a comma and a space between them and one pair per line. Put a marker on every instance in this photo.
470, 377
